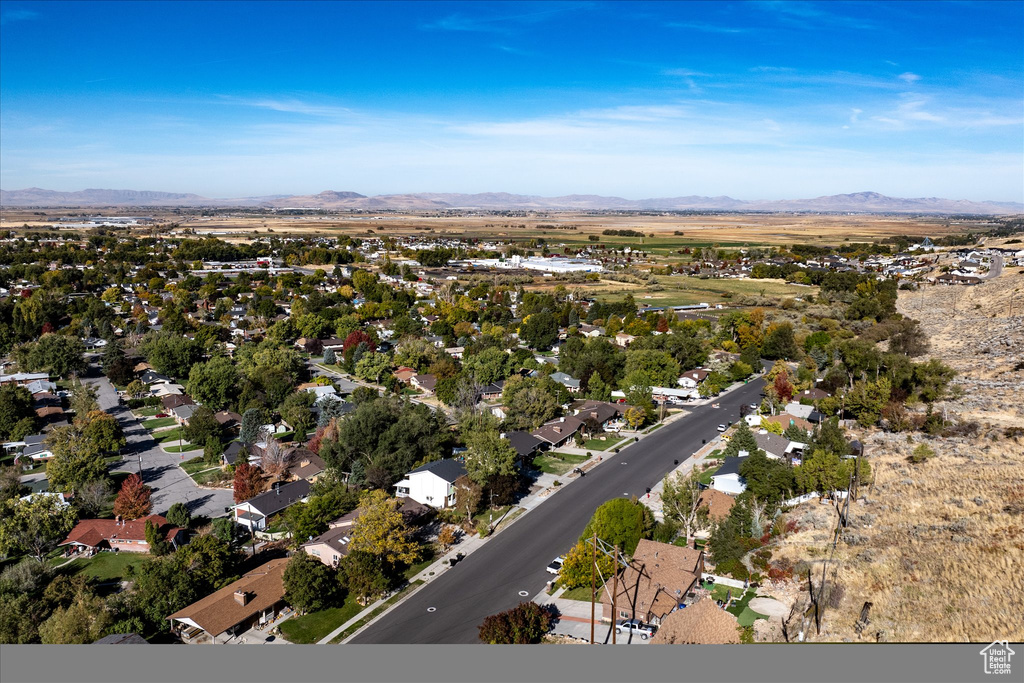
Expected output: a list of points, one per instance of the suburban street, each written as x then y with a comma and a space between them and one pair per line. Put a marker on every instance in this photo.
159, 469
510, 568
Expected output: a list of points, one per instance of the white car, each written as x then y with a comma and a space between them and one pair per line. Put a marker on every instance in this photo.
721, 428
556, 565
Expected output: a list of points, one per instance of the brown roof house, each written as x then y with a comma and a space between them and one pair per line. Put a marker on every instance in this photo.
558, 431
304, 464
702, 623
254, 599
659, 579
121, 534
718, 504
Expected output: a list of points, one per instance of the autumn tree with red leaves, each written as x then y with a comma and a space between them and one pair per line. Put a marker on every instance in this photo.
133, 499
783, 388
248, 482
355, 338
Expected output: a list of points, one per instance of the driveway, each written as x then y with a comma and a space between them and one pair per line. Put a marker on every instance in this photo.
159, 469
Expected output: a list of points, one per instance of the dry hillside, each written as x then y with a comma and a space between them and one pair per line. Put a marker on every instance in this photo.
937, 547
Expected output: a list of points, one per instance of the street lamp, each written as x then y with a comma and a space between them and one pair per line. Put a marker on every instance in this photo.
490, 524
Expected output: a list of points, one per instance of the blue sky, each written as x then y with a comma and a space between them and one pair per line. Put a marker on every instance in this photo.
756, 100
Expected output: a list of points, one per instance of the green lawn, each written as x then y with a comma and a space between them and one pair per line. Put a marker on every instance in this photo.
683, 289
599, 445
334, 368
580, 593
387, 603
705, 476
183, 449
716, 454
486, 515
739, 608
108, 566
208, 477
312, 627
169, 435
148, 412
157, 423
557, 463
194, 465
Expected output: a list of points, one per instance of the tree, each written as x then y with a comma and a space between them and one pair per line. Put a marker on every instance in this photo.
309, 584
76, 460
767, 480
133, 501
329, 357
866, 400
17, 414
448, 536
170, 353
136, 389
781, 389
529, 401
296, 411
213, 383
84, 621
10, 483
932, 380
909, 339
488, 455
780, 343
83, 399
467, 496
578, 566
382, 530
365, 576
635, 417
373, 366
597, 389
163, 587
249, 432
59, 354
224, 529
248, 482
307, 520
179, 515
34, 525
116, 366
526, 623
621, 522
539, 331
823, 472
156, 539
660, 368
103, 431
681, 501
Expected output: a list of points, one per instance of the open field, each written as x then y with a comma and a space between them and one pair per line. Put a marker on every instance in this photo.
936, 545
725, 229
682, 290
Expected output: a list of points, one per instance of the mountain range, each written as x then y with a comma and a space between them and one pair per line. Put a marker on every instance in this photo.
859, 202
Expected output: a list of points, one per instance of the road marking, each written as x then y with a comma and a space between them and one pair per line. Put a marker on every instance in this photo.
523, 594
431, 609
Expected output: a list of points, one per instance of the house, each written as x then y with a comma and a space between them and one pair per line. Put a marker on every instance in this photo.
558, 431
37, 451
405, 374
455, 351
492, 391
691, 379
228, 419
811, 395
23, 378
172, 401
432, 484
39, 386
597, 414
659, 579
304, 464
717, 504
787, 420
183, 413
332, 545
622, 339
253, 513
166, 389
775, 447
154, 377
567, 381
332, 344
254, 599
727, 479
231, 453
425, 383
525, 444
799, 410
702, 623
120, 534
590, 331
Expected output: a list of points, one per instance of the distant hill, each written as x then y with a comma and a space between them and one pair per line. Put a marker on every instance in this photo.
859, 202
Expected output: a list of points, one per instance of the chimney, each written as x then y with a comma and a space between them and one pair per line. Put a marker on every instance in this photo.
241, 597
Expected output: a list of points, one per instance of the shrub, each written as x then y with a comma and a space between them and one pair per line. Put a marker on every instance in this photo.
523, 624
922, 453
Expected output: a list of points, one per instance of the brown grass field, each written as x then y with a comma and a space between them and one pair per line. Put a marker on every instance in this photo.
939, 545
660, 230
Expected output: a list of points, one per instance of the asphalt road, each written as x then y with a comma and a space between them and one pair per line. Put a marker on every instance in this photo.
159, 469
490, 580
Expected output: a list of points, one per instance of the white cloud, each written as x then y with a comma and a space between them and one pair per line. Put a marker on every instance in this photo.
909, 77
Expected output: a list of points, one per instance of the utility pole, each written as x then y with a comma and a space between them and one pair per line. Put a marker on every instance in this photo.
615, 589
593, 586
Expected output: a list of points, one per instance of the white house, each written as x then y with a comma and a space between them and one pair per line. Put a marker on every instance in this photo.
432, 484
692, 378
253, 513
727, 479
799, 410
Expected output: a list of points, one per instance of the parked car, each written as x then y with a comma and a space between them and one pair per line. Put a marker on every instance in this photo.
161, 415
645, 631
721, 428
613, 427
556, 565
753, 406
